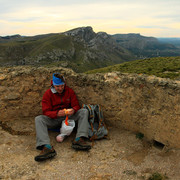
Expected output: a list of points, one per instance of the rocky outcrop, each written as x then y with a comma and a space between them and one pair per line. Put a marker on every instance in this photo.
139, 103
99, 41
82, 34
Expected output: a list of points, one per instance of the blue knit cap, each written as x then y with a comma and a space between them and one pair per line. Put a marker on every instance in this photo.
57, 81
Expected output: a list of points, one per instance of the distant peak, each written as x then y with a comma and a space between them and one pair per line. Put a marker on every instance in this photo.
79, 29
11, 37
85, 33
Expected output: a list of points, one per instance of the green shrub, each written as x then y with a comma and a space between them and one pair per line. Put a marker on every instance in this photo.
139, 135
157, 176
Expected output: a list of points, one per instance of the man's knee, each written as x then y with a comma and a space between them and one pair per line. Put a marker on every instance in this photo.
39, 118
83, 111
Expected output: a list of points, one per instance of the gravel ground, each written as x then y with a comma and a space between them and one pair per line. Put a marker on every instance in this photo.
122, 156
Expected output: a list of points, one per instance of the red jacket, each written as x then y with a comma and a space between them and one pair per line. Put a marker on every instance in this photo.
53, 102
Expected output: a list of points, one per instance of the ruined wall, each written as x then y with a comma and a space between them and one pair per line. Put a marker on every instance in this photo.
139, 103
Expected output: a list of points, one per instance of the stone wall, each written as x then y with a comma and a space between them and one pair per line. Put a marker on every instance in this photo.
139, 103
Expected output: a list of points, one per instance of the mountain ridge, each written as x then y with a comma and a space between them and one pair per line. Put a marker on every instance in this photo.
146, 47
80, 49
83, 51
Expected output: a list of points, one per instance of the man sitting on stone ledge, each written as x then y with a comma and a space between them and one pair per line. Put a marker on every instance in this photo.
55, 100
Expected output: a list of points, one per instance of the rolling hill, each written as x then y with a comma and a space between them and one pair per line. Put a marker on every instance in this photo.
165, 67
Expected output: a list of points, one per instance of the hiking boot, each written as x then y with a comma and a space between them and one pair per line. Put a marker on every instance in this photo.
45, 154
80, 144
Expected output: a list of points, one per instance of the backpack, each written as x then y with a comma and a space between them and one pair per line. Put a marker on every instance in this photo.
97, 127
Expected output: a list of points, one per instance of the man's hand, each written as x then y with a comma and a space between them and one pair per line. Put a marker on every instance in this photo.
61, 113
70, 111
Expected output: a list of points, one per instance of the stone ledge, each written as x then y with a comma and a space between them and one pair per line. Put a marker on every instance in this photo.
139, 103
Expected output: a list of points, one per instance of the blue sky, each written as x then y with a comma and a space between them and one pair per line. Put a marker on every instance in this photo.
157, 18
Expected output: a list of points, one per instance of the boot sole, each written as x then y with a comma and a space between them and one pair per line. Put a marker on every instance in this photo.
83, 148
42, 158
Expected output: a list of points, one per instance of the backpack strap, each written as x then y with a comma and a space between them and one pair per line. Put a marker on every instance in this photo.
91, 118
91, 114
100, 115
95, 112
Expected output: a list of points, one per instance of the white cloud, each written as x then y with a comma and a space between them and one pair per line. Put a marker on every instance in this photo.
43, 16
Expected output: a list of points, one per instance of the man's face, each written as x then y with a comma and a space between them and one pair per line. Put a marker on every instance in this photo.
59, 88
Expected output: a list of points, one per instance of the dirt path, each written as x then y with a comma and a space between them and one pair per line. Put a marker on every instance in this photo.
122, 157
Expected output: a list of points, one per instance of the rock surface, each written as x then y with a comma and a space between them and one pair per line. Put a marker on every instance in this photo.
142, 104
